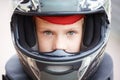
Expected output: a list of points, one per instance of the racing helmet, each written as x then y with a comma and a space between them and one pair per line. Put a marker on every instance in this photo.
61, 65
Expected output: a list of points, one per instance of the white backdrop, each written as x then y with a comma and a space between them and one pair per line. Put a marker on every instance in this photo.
6, 46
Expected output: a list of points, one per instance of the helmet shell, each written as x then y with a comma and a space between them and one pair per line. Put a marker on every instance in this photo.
82, 65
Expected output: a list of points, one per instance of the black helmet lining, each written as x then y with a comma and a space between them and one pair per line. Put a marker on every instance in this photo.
26, 30
92, 31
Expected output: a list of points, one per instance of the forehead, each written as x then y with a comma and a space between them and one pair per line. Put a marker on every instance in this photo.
42, 24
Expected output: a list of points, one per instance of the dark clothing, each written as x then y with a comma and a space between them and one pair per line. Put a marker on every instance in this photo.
14, 70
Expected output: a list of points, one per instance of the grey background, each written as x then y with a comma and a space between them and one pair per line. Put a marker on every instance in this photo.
7, 49
113, 47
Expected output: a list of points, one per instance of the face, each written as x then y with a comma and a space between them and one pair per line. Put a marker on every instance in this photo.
53, 37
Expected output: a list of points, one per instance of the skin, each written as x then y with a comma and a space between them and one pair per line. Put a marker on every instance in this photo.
53, 37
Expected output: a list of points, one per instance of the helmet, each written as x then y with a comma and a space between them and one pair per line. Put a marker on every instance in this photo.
60, 65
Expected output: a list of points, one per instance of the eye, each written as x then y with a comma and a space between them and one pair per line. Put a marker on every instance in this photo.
47, 32
71, 33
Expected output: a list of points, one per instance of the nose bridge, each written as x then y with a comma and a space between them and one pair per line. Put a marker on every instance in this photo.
60, 42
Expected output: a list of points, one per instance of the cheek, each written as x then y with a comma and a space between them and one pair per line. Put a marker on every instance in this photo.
44, 44
74, 44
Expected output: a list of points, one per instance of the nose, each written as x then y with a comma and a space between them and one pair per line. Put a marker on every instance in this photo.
60, 43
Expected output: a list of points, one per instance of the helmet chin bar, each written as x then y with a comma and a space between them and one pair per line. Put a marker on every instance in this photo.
61, 69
